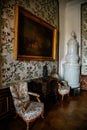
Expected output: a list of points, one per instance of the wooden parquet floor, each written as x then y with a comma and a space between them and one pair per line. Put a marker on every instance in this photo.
70, 114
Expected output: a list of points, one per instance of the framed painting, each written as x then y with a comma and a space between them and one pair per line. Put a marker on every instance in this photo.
34, 38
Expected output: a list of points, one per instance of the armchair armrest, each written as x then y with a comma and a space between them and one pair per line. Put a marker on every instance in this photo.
36, 95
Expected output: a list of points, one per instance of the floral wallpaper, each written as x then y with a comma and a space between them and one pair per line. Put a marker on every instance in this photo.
12, 70
84, 38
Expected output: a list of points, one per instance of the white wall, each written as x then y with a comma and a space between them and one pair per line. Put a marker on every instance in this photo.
69, 20
61, 32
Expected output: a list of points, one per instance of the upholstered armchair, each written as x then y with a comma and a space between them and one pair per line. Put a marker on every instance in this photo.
63, 89
26, 109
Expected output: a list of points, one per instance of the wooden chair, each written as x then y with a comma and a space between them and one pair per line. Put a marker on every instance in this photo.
26, 109
63, 89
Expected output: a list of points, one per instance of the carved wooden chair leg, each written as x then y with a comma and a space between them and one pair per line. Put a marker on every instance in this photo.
27, 123
62, 96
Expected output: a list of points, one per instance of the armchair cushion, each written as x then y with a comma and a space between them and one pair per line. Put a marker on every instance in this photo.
20, 95
14, 91
23, 94
33, 111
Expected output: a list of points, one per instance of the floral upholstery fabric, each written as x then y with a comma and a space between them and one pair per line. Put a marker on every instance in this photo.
22, 90
63, 91
34, 110
14, 92
24, 107
63, 88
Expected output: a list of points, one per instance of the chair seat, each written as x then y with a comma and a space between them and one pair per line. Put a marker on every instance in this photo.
33, 110
63, 91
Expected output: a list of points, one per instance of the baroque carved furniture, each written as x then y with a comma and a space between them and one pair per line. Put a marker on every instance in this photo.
6, 104
26, 109
63, 89
45, 87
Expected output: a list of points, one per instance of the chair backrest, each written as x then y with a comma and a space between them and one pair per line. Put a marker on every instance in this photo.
19, 91
63, 85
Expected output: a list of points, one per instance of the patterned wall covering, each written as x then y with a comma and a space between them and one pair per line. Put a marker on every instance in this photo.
13, 70
84, 38
0, 50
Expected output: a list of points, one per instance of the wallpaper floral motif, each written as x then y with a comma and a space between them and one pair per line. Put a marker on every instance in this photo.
13, 70
84, 38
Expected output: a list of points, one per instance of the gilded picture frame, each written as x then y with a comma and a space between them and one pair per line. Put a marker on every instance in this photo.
35, 39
